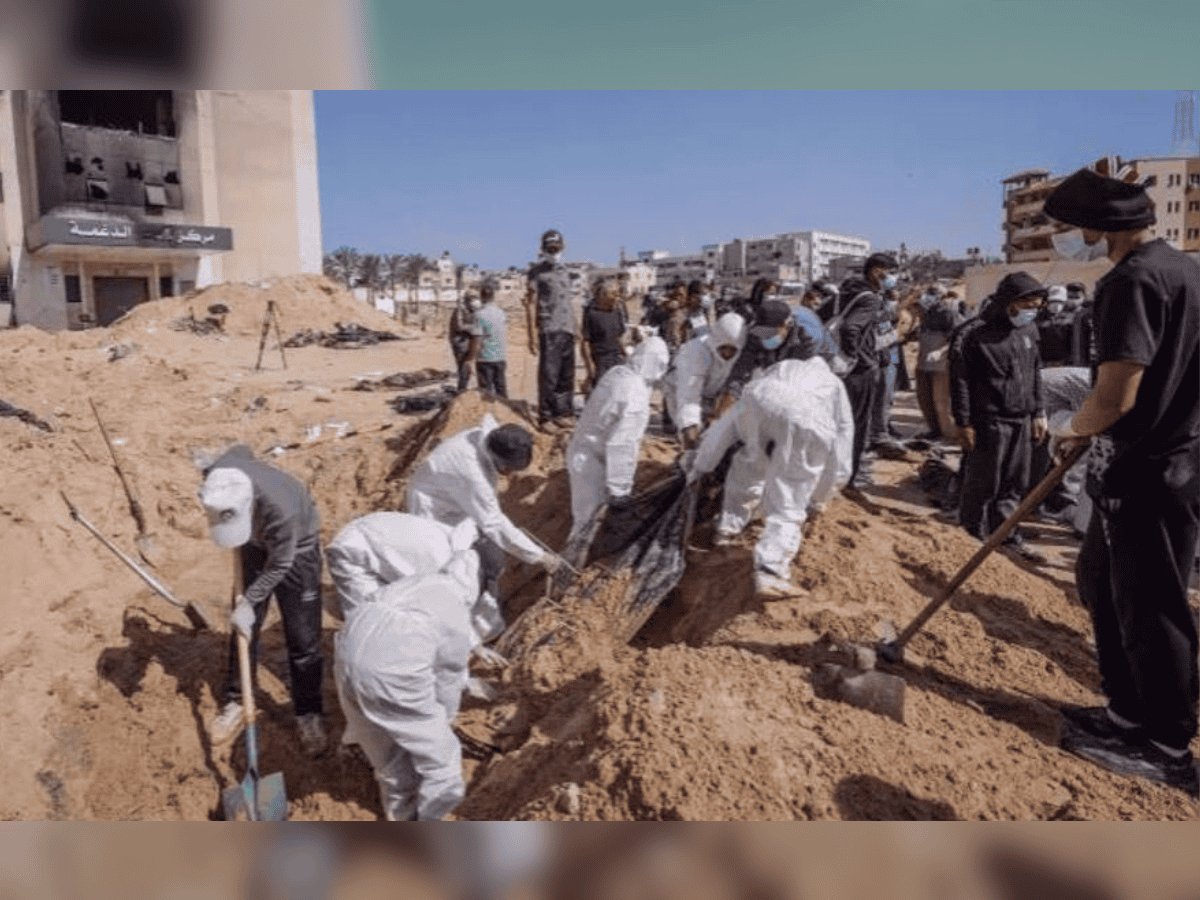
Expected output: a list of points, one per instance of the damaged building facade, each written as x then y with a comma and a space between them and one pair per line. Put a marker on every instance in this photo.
109, 199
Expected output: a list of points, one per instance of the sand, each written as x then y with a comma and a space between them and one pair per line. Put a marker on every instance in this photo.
709, 713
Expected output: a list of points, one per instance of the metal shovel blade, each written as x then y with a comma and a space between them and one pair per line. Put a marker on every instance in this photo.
256, 800
874, 691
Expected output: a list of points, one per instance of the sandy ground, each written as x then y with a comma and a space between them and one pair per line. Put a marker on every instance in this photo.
710, 713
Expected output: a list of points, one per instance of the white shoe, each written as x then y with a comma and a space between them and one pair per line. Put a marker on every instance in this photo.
771, 587
312, 733
226, 725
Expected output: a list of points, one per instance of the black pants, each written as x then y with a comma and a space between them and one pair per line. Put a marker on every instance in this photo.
997, 474
299, 599
491, 378
1132, 574
925, 402
461, 348
556, 375
861, 388
604, 362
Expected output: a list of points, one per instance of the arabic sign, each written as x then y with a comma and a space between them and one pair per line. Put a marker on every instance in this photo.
102, 233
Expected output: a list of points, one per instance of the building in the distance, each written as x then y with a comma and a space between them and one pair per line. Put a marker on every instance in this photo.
1176, 194
112, 198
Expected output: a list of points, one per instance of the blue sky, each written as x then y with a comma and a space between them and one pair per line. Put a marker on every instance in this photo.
483, 173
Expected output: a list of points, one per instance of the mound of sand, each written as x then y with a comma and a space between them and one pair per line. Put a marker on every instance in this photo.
709, 713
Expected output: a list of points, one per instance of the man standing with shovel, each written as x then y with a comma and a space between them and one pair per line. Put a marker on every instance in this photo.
269, 518
1143, 416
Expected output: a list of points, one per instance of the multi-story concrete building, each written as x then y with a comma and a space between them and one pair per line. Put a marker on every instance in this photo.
802, 256
113, 198
669, 269
1176, 196
827, 247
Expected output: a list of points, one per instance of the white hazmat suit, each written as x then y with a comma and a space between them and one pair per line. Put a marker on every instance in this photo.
699, 372
797, 429
400, 667
382, 547
603, 453
458, 482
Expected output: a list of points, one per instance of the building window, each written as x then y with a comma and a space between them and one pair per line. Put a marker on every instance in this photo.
1194, 206
71, 286
142, 112
5, 289
166, 286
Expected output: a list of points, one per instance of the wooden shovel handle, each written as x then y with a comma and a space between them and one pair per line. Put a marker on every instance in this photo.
243, 645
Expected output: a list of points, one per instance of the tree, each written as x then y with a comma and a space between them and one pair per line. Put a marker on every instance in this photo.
395, 271
414, 265
371, 274
343, 265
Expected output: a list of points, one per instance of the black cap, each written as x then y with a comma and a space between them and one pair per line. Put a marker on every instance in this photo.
551, 234
511, 446
1088, 200
769, 316
880, 261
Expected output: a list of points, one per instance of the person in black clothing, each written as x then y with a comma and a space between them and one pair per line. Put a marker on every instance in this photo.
996, 400
603, 327
1055, 324
1143, 419
862, 307
774, 336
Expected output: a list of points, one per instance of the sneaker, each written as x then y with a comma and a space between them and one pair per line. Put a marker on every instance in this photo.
893, 431
1017, 544
1096, 721
1135, 757
226, 725
312, 733
771, 587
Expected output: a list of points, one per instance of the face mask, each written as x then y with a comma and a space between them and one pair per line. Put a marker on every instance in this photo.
1054, 308
888, 281
1023, 318
890, 307
774, 342
1071, 245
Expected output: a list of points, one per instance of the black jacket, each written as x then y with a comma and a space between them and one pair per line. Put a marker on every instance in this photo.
995, 372
856, 337
755, 357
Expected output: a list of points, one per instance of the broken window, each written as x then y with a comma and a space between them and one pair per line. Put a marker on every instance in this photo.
5, 289
156, 196
162, 36
71, 285
142, 112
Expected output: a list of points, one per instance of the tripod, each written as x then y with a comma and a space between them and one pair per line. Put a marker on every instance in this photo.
271, 318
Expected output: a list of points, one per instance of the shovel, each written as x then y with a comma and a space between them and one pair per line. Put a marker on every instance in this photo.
147, 548
256, 799
196, 614
859, 684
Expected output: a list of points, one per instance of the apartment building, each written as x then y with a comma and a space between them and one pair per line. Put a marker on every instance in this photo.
109, 199
1176, 196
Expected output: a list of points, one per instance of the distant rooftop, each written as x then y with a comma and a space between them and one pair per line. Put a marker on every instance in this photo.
1028, 173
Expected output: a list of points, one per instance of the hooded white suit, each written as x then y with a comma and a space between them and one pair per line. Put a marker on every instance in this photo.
603, 453
796, 424
699, 372
400, 667
383, 547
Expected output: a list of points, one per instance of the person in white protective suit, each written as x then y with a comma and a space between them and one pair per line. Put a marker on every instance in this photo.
603, 453
698, 374
382, 547
797, 431
458, 482
400, 668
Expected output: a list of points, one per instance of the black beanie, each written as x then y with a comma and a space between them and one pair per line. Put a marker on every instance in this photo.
1088, 200
511, 445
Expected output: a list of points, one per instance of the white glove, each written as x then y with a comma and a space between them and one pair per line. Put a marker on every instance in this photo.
243, 616
551, 562
1060, 424
478, 689
489, 658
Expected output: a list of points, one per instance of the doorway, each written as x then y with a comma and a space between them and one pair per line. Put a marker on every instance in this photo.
117, 296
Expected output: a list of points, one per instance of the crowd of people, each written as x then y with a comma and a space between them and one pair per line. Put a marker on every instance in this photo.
787, 405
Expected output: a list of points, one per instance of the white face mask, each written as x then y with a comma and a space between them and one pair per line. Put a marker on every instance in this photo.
1071, 245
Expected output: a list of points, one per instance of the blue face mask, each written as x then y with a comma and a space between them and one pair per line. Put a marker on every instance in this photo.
1023, 318
888, 281
773, 343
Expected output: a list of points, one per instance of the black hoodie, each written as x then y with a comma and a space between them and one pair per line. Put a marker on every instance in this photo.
856, 337
996, 373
